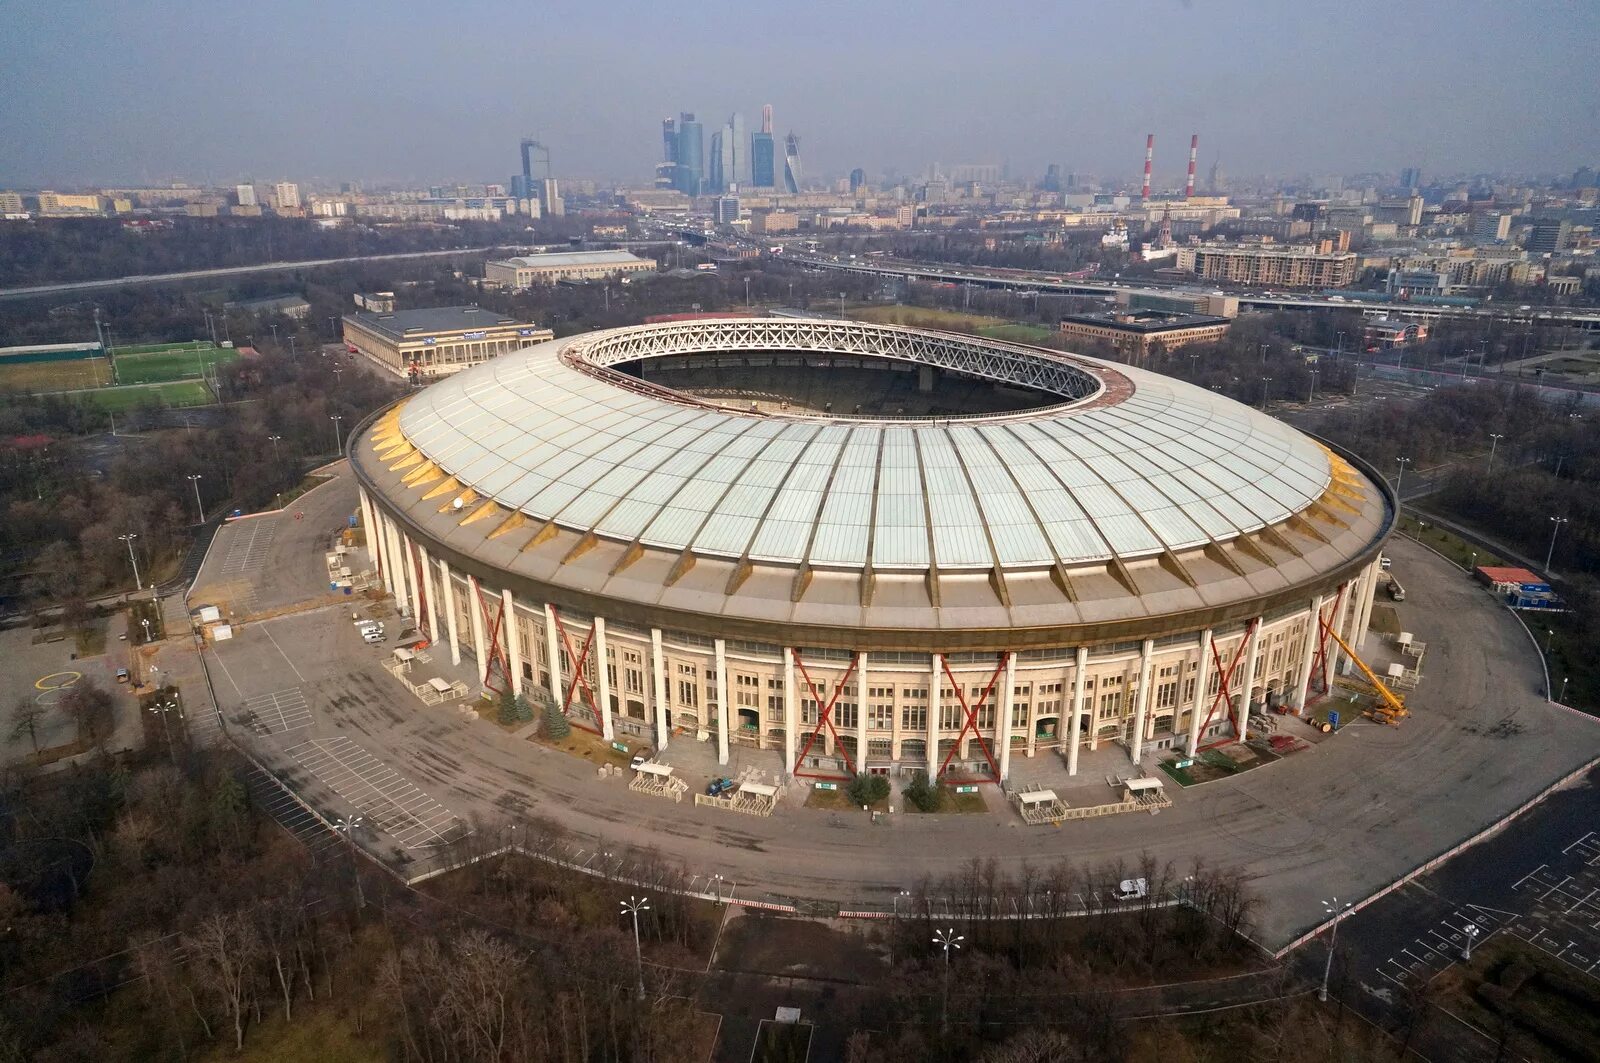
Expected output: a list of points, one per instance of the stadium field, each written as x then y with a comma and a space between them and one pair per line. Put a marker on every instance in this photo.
154, 367
163, 348
172, 393
55, 376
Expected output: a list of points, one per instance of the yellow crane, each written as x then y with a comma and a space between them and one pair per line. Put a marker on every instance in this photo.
1392, 706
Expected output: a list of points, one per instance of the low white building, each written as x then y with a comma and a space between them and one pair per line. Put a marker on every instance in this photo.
528, 270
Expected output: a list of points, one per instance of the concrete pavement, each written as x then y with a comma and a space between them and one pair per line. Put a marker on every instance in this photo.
1345, 818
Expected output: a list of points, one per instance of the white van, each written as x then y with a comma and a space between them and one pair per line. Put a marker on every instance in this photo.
1383, 562
1131, 889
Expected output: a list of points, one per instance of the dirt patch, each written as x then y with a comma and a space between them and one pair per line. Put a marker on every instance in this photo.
784, 946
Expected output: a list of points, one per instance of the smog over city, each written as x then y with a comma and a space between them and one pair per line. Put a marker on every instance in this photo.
768, 533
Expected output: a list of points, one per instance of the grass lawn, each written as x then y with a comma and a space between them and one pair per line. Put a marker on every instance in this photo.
161, 366
1465, 554
584, 744
91, 640
162, 348
283, 498
1017, 333
924, 317
56, 376
122, 399
319, 1034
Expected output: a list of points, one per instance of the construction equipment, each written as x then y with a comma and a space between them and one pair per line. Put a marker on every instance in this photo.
1392, 707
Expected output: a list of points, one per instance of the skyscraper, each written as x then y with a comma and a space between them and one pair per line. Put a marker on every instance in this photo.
739, 172
717, 162
791, 164
763, 172
691, 155
667, 169
858, 177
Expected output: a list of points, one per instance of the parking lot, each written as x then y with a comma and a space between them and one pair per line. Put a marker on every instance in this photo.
392, 805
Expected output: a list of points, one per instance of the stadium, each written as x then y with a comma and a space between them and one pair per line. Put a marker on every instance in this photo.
869, 548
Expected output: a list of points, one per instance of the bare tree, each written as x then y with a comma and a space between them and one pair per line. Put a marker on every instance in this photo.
25, 717
225, 947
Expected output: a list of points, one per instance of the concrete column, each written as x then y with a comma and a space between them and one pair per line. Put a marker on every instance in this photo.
552, 651
1368, 595
408, 569
425, 593
1141, 704
791, 711
933, 717
1033, 723
451, 623
602, 675
508, 627
1002, 716
369, 527
1336, 623
658, 669
1251, 653
721, 649
475, 612
861, 713
396, 568
1074, 726
1308, 654
1197, 709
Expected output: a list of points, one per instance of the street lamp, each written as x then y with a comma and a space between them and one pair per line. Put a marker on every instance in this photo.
338, 441
1555, 528
633, 906
718, 880
1561, 699
898, 894
198, 505
1266, 383
949, 939
276, 457
1494, 441
1401, 476
1335, 909
1313, 396
129, 538
347, 826
1263, 353
1471, 930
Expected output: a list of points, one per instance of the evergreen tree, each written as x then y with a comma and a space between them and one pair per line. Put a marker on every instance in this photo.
555, 723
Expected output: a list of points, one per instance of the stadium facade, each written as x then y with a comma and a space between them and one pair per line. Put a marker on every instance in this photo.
675, 532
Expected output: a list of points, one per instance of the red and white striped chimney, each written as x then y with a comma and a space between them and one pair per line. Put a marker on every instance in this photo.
1194, 150
1149, 154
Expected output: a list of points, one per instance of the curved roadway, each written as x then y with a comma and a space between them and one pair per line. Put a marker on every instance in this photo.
1345, 817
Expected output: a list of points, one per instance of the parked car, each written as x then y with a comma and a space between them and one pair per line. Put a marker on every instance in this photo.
639, 760
1132, 889
1383, 562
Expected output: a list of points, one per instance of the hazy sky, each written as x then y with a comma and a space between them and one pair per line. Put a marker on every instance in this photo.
121, 91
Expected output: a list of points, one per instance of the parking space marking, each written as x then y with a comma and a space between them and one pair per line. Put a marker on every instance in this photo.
248, 552
391, 803
277, 712
279, 648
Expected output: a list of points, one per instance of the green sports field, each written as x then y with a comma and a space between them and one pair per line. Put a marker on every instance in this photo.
172, 393
65, 375
173, 362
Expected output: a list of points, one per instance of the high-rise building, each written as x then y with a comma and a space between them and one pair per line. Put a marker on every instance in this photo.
1411, 177
550, 200
246, 194
716, 162
691, 155
1052, 178
1490, 227
791, 164
667, 169
1549, 236
725, 211
858, 178
739, 172
287, 195
763, 172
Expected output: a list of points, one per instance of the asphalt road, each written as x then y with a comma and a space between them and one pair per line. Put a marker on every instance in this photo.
228, 271
1346, 817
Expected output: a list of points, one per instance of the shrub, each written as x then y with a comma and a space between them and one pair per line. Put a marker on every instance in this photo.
922, 793
868, 789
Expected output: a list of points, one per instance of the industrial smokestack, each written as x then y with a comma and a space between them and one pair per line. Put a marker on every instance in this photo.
1149, 155
1194, 150
766, 117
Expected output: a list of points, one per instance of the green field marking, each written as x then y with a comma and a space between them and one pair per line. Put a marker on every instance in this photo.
162, 348
172, 393
160, 366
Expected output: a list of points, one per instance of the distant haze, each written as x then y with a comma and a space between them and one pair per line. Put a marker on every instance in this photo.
101, 92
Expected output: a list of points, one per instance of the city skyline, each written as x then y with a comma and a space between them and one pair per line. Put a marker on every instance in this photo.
319, 107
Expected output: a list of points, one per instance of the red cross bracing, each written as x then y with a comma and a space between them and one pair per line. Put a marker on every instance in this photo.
493, 656
825, 719
1225, 687
1319, 662
579, 659
970, 719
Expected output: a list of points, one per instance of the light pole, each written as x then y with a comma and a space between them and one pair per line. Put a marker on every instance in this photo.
633, 906
1340, 346
1561, 699
841, 305
1335, 909
718, 880
199, 506
1266, 384
1555, 528
898, 894
1494, 441
747, 291
1313, 396
347, 826
1263, 353
1471, 931
338, 441
1549, 637
1401, 475
129, 538
276, 457
949, 939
